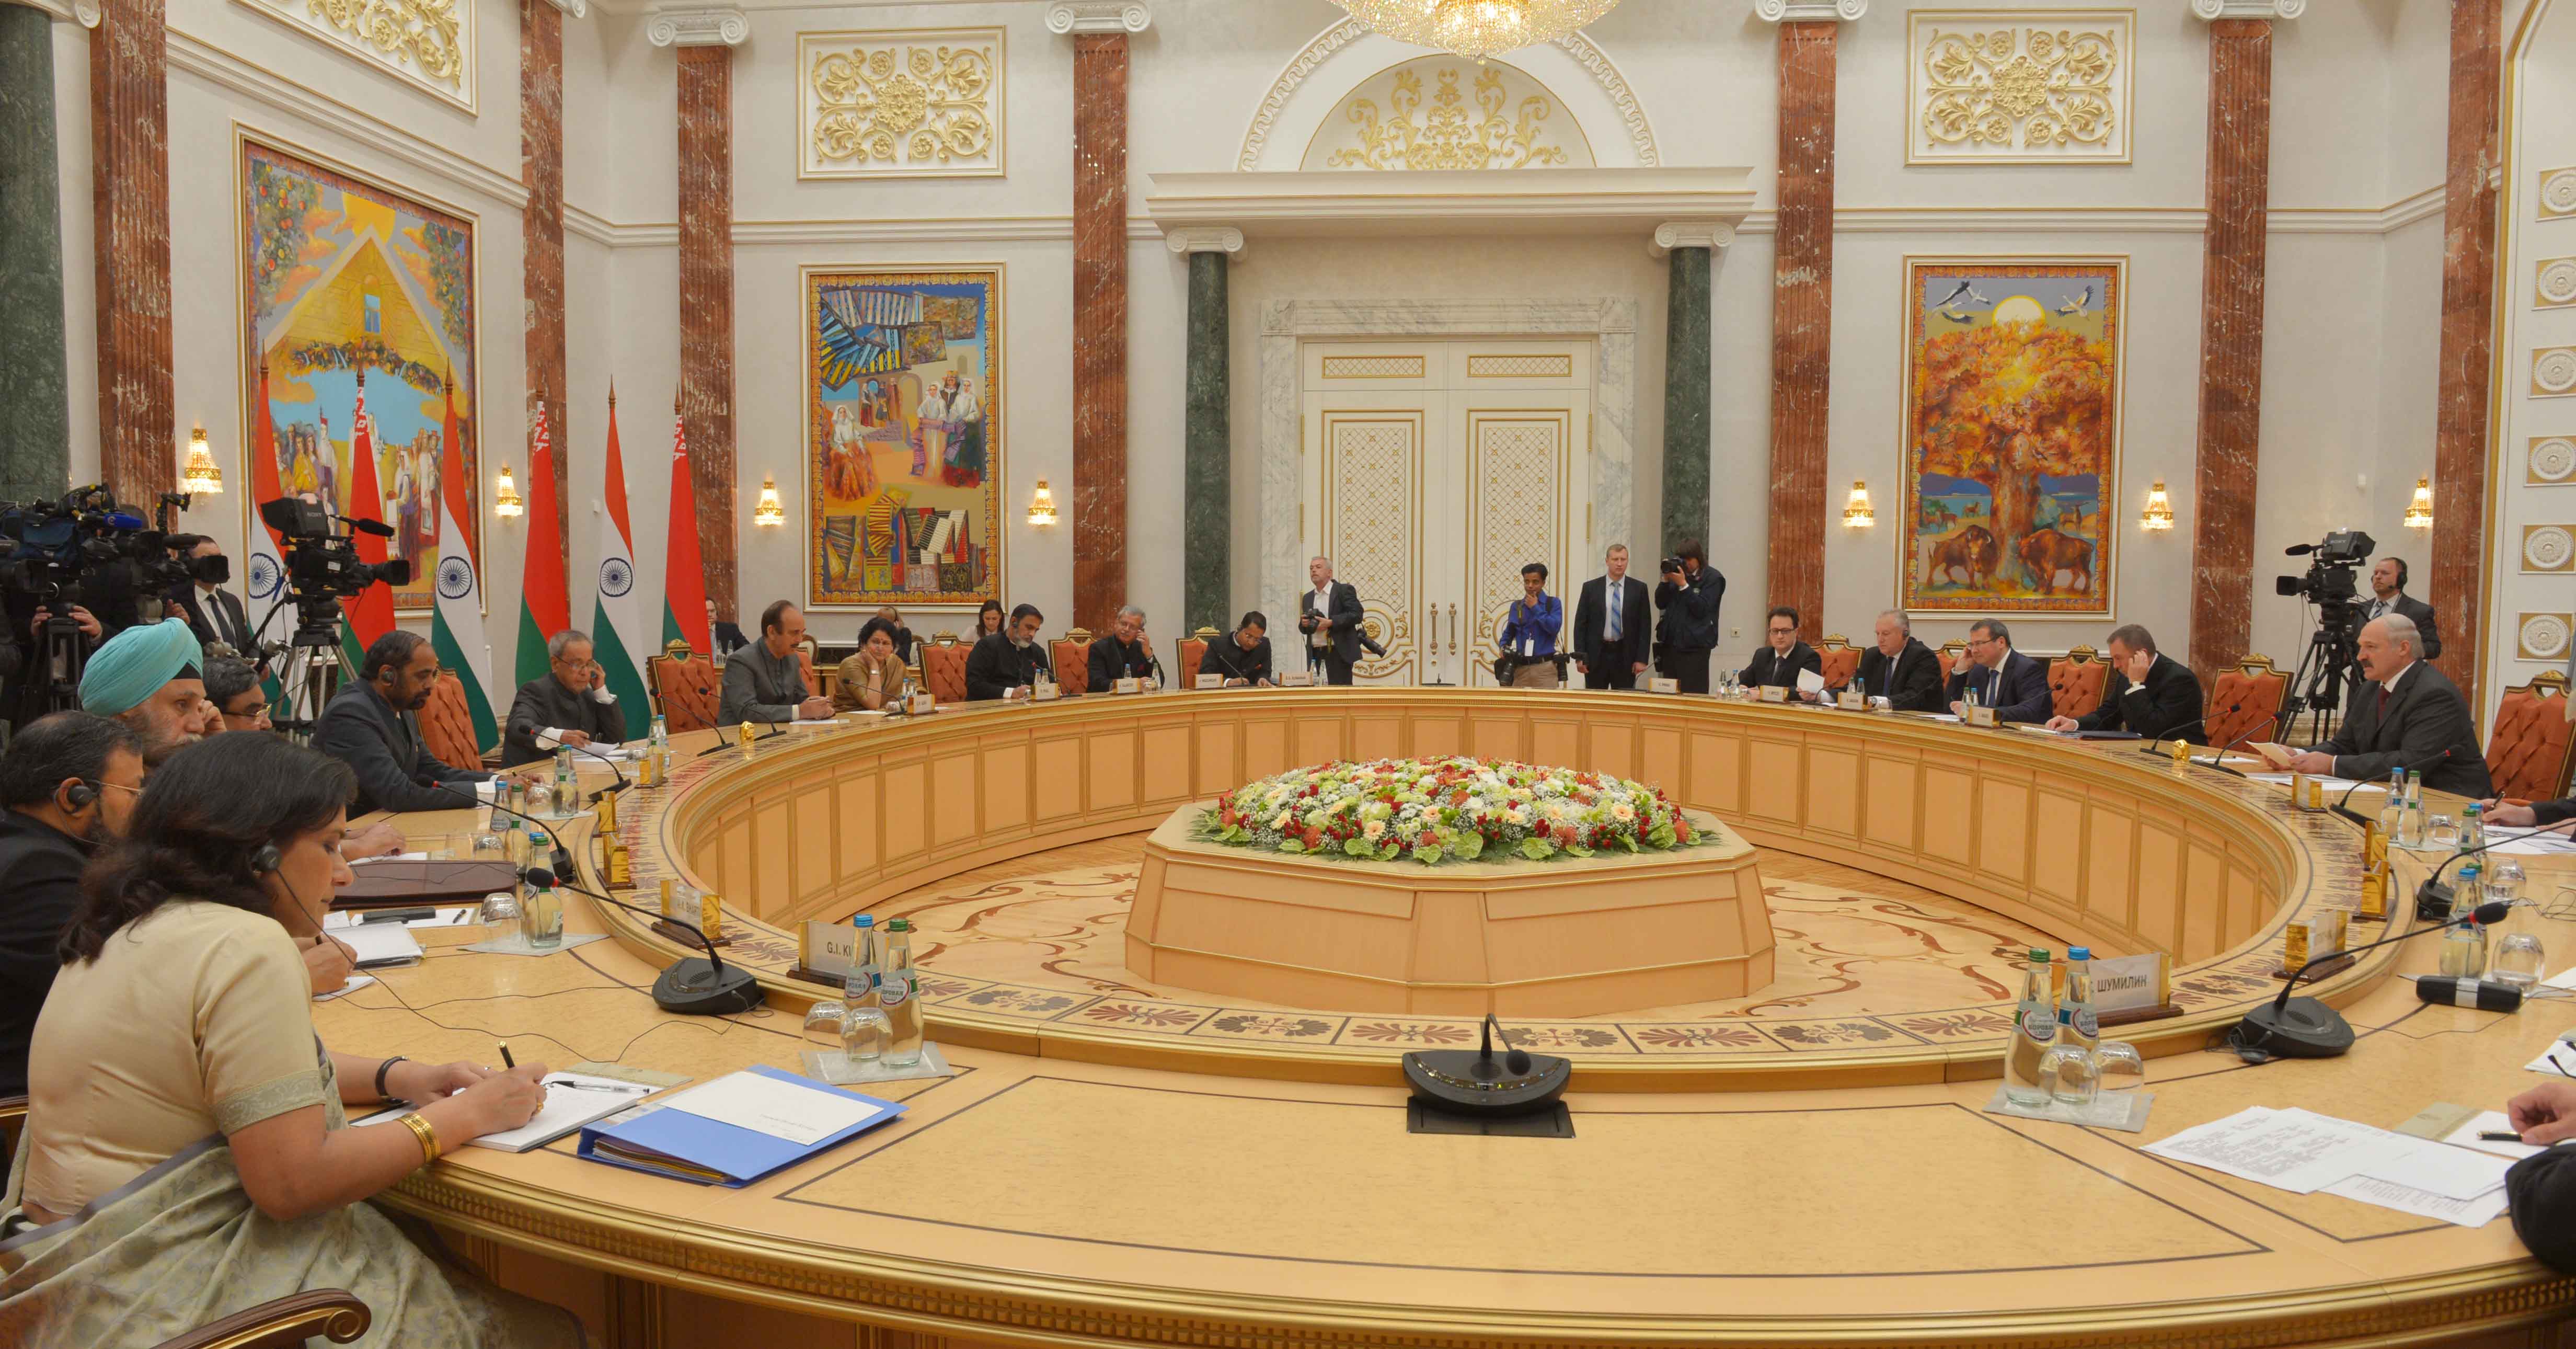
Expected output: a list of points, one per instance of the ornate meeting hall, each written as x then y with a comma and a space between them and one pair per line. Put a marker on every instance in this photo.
1287, 674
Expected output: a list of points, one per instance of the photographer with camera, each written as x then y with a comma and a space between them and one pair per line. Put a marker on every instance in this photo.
1687, 600
213, 613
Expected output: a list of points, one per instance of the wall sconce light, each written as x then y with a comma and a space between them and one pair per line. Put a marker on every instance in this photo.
1042, 505
2419, 512
505, 497
2159, 511
768, 513
1857, 514
199, 476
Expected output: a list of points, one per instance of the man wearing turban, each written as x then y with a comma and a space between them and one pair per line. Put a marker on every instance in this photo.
147, 678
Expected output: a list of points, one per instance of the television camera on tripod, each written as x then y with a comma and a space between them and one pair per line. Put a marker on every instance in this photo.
322, 568
2332, 584
84, 550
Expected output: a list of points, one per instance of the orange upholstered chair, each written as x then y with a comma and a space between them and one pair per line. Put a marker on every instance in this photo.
2076, 682
1950, 654
806, 651
2528, 750
943, 668
447, 726
1072, 654
685, 688
1193, 650
2244, 702
1840, 657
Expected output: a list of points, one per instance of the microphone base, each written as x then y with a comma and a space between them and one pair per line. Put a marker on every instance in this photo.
2302, 1028
695, 987
2433, 901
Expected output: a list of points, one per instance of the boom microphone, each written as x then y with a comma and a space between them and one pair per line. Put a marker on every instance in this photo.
691, 987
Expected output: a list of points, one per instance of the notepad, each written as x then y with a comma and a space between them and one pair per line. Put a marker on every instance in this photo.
380, 944
572, 1100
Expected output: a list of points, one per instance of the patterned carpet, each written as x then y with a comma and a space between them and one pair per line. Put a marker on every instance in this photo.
1849, 943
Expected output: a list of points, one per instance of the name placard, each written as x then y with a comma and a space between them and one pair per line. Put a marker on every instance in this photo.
1857, 702
2132, 983
1211, 681
1775, 693
1128, 685
1980, 716
1044, 693
1663, 686
827, 947
1297, 679
924, 703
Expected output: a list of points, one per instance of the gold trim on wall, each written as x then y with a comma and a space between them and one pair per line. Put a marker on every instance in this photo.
1529, 365
427, 44
1376, 367
901, 103
2032, 86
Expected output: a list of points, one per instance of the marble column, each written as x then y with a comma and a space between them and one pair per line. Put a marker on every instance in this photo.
1802, 311
1208, 489
2468, 305
35, 408
706, 39
129, 111
541, 220
2231, 329
1686, 397
1100, 32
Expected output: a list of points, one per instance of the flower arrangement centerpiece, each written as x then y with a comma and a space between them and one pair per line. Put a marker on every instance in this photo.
1448, 809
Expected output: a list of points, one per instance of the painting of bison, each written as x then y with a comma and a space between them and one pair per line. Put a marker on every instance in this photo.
2012, 432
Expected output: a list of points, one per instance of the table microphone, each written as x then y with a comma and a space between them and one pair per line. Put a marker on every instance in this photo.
562, 859
2304, 1028
2342, 805
775, 731
622, 783
2221, 752
692, 987
2156, 746
2432, 892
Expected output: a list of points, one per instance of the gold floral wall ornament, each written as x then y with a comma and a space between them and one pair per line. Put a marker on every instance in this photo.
1448, 113
2019, 86
427, 42
913, 103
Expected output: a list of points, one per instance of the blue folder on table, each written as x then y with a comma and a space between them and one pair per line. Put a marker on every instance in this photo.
661, 1141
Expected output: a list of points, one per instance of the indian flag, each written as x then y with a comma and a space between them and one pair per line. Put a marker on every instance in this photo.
618, 622
267, 574
456, 633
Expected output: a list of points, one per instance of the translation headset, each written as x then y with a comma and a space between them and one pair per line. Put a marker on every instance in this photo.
79, 793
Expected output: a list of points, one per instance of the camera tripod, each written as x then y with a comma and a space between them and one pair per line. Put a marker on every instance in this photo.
2317, 689
60, 656
311, 668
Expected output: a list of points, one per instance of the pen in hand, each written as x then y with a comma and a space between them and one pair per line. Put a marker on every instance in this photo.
506, 1060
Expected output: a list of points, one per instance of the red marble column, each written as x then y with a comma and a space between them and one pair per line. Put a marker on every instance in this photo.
1802, 320
2231, 344
541, 169
2468, 316
706, 309
1099, 328
129, 111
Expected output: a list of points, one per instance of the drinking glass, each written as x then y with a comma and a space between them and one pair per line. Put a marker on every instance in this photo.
2519, 960
2118, 1069
500, 917
2504, 881
488, 847
2442, 832
2071, 1074
823, 1023
541, 919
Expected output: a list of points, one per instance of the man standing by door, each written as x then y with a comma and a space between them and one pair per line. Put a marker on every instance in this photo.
1614, 625
1329, 615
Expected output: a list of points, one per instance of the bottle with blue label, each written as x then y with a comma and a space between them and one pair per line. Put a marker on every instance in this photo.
2079, 1034
2034, 1030
864, 1028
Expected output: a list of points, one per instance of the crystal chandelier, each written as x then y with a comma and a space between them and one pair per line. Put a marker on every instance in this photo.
1476, 29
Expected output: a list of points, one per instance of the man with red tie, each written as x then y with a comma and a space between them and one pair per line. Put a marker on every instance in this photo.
2405, 714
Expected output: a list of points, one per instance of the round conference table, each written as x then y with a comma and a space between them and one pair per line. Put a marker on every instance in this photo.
1109, 1168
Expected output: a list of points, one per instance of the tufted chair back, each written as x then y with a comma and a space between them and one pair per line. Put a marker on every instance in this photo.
2076, 682
2255, 690
943, 668
2528, 751
1841, 659
1950, 654
447, 724
1193, 650
805, 653
1072, 655
685, 688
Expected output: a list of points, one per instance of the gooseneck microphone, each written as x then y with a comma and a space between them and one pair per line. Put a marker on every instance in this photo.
690, 987
2342, 805
562, 858
622, 783
2156, 745
2304, 1028
2432, 892
721, 746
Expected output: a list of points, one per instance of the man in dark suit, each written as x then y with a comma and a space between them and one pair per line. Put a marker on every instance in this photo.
2147, 693
1242, 657
567, 705
370, 726
1330, 617
2388, 591
67, 784
1005, 665
1899, 668
1121, 653
1783, 657
214, 614
2004, 679
2406, 714
1614, 626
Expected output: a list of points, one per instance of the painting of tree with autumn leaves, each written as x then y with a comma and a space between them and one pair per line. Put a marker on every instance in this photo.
2012, 434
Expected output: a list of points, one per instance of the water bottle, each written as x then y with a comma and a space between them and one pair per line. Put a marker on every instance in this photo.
2410, 822
2034, 1029
2473, 827
661, 738
2464, 948
567, 785
2071, 1075
864, 1030
899, 992
1971, 696
2394, 806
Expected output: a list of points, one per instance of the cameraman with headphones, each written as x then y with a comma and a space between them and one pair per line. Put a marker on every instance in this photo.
370, 726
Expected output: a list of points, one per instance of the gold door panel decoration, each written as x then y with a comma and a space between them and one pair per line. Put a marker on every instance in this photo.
1444, 112
2019, 87
429, 43
900, 104
1376, 367
1372, 526
1519, 466
1536, 365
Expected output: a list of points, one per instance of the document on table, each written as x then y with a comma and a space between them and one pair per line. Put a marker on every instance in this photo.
801, 1115
820, 721
2558, 1060
2551, 842
355, 982
572, 1100
380, 943
2491, 1121
1810, 682
2476, 1212
2292, 1150
2439, 1168
393, 857
2330, 784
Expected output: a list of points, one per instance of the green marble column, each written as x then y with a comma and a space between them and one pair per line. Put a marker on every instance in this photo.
1686, 393
1207, 503
35, 408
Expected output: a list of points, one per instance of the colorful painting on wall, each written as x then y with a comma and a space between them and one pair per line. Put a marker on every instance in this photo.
2012, 432
357, 297
903, 436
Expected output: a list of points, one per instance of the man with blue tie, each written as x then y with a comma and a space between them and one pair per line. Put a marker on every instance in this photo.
1614, 626
2013, 684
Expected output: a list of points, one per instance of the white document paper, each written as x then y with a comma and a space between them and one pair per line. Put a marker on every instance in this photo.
2558, 1060
826, 721
2329, 783
356, 982
2292, 1150
397, 857
380, 943
2439, 1168
1949, 717
572, 1100
1810, 682
2495, 1121
2476, 1212
801, 1115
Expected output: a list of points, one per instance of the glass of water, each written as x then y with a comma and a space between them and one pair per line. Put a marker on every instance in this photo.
2518, 960
2442, 832
2505, 880
2071, 1074
2118, 1069
500, 917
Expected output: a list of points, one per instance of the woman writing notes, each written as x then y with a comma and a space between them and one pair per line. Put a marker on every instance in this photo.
185, 1155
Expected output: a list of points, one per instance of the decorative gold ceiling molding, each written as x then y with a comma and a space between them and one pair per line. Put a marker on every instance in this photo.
2019, 86
1445, 112
428, 44
909, 103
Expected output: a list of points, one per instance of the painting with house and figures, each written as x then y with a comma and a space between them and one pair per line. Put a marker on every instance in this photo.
903, 436
2012, 434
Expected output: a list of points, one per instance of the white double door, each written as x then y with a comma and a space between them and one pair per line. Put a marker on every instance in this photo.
1435, 471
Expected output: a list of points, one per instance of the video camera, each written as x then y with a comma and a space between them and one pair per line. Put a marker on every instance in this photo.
2332, 581
322, 563
84, 549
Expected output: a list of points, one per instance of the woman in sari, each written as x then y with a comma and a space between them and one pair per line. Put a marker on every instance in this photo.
872, 678
186, 1155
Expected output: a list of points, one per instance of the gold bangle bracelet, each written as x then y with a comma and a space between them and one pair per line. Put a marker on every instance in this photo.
428, 1136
